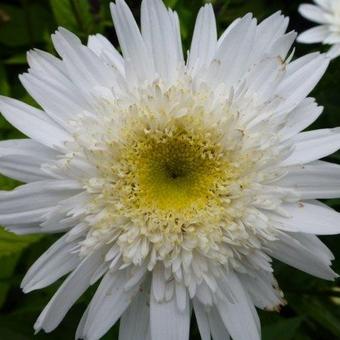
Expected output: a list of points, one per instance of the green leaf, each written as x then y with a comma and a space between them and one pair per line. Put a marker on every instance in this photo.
11, 244
282, 330
320, 312
12, 34
11, 247
17, 59
83, 15
74, 15
7, 183
23, 25
63, 14
170, 3
4, 87
7, 264
12, 334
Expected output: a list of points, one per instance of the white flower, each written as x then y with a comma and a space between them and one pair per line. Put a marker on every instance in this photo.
327, 14
174, 181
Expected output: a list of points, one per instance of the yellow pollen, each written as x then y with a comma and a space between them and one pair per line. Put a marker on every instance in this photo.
171, 178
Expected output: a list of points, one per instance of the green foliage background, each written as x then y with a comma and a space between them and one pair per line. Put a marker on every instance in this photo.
313, 311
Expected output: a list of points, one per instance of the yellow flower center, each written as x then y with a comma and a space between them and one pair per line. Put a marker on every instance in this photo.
174, 173
169, 178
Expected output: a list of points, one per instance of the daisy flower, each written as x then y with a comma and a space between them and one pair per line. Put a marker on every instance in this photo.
174, 181
327, 14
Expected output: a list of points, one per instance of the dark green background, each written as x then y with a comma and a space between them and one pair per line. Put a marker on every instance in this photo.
313, 311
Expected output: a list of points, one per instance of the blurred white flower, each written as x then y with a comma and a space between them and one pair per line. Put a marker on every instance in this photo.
174, 181
327, 14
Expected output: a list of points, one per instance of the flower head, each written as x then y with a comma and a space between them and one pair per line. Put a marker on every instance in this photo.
174, 181
327, 14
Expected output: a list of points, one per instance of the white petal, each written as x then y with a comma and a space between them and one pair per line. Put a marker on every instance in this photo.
83, 66
138, 60
174, 19
233, 55
26, 147
300, 118
217, 328
68, 293
46, 64
202, 319
160, 38
263, 290
29, 203
326, 4
68, 213
33, 123
268, 32
333, 38
282, 45
20, 220
262, 79
24, 229
312, 145
248, 326
48, 83
37, 195
314, 35
158, 283
297, 64
167, 321
21, 159
81, 325
204, 41
57, 100
315, 180
57, 261
289, 250
313, 13
104, 49
334, 51
300, 79
181, 296
313, 242
134, 323
209, 322
108, 304
309, 218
